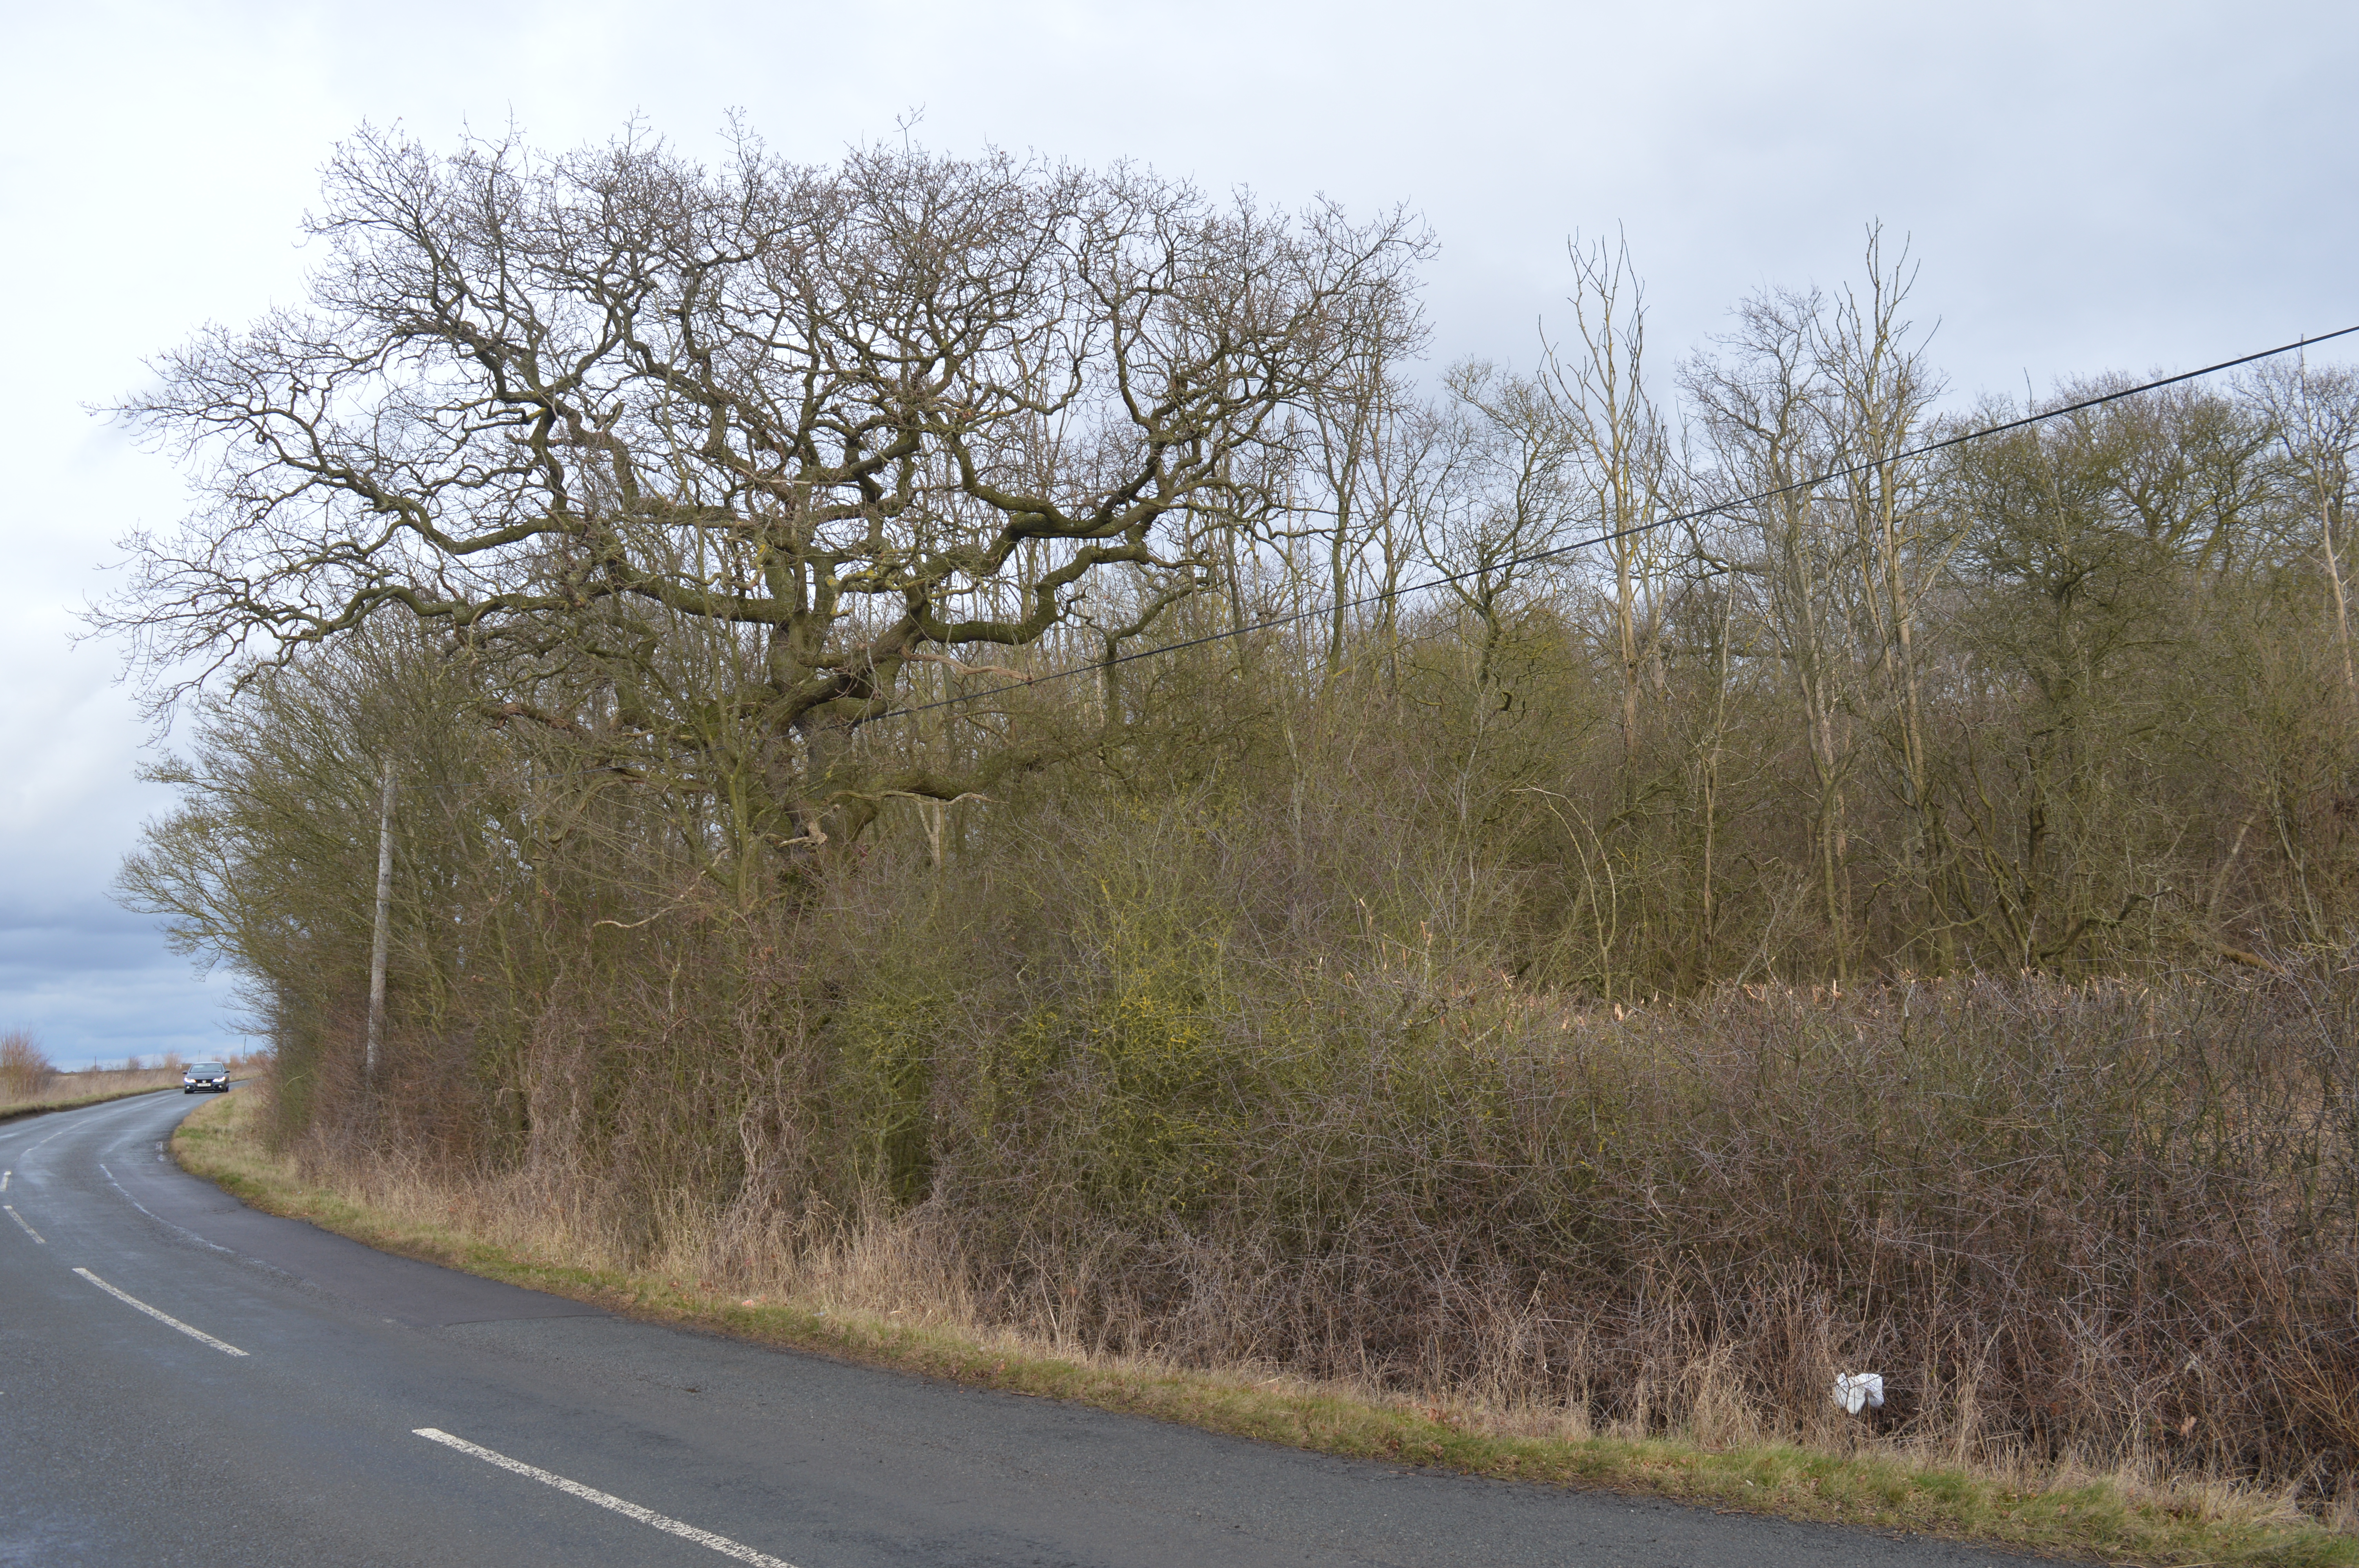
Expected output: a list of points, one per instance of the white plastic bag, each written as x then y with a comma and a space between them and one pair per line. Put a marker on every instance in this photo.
1856, 1391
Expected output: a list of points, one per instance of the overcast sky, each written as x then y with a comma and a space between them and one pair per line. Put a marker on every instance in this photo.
2089, 187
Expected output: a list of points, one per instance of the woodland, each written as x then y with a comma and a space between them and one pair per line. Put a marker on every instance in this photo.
1012, 706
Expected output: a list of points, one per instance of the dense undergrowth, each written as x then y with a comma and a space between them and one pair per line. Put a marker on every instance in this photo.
1567, 889
2108, 1222
879, 1295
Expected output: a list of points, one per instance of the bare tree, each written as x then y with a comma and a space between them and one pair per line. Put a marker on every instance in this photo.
1496, 494
1761, 407
1619, 444
1880, 391
1355, 425
2315, 413
823, 422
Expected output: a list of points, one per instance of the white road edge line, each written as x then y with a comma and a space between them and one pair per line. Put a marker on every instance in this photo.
167, 1223
106, 1110
163, 1317
20, 1220
721, 1543
159, 1219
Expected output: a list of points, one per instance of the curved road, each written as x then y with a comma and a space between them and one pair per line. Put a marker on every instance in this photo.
186, 1380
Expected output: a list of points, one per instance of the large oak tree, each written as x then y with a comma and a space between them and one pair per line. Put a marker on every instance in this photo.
685, 455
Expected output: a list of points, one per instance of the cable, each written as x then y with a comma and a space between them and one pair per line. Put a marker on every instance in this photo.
1812, 483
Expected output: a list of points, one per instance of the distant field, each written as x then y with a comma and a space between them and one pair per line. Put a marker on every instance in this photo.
60, 1091
63, 1091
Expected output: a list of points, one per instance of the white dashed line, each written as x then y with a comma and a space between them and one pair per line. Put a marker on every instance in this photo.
20, 1220
4, 1180
163, 1317
721, 1543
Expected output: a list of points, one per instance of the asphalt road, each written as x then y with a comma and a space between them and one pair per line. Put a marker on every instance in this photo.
186, 1380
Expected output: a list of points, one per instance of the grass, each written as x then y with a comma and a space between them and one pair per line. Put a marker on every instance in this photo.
72, 1091
2117, 1518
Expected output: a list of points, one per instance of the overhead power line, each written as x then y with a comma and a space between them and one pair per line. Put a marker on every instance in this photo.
1698, 514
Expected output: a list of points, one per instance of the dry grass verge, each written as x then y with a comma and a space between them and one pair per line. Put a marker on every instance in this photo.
72, 1091
871, 1300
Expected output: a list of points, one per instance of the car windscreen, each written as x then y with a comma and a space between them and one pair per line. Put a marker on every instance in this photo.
204, 1069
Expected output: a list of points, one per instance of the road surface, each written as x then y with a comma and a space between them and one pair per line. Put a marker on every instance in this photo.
186, 1380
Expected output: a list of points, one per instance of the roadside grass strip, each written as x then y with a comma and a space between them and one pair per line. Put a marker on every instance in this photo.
649, 1517
20, 1220
17, 1109
1869, 1488
163, 1317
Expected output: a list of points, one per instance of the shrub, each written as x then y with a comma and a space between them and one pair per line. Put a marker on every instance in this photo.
24, 1068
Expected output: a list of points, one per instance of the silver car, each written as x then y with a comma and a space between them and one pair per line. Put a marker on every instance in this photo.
204, 1075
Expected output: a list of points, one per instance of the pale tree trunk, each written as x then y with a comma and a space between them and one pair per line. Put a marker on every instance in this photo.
1881, 392
1711, 749
1622, 454
2342, 607
1352, 417
1764, 412
2318, 424
1811, 654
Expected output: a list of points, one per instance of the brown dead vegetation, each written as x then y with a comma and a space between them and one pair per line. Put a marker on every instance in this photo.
1882, 903
2105, 1223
